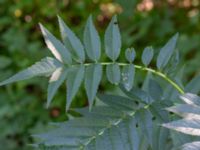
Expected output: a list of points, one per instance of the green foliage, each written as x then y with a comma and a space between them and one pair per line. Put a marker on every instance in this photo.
147, 55
93, 73
92, 41
57, 78
118, 124
75, 77
112, 39
113, 73
130, 54
190, 124
166, 52
128, 73
71, 41
142, 28
43, 68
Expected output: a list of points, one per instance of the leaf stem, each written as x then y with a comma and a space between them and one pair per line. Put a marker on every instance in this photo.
158, 73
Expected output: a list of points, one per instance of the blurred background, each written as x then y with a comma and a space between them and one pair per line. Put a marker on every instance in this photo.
142, 23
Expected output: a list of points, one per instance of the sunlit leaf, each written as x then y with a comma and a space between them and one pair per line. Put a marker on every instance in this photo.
45, 67
56, 47
187, 126
190, 98
55, 82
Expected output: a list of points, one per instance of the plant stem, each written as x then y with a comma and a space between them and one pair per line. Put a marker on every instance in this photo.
158, 73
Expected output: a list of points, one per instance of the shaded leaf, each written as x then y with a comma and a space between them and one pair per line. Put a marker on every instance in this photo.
147, 55
166, 52
146, 124
74, 80
112, 39
138, 94
145, 85
113, 73
160, 138
130, 54
72, 42
193, 86
118, 102
155, 90
92, 41
128, 74
100, 111
93, 75
158, 112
